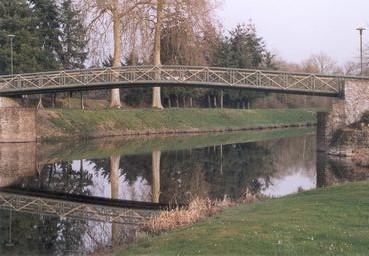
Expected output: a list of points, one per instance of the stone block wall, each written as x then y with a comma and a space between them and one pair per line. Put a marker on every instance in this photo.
344, 111
17, 124
356, 100
16, 161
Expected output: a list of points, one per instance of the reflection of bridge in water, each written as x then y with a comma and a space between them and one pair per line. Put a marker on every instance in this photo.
19, 161
93, 214
78, 207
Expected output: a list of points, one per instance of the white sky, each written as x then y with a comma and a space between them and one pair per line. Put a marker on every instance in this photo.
295, 29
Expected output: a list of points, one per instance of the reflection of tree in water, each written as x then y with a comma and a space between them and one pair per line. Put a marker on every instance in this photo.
292, 152
241, 168
43, 234
204, 172
201, 172
59, 177
40, 235
132, 167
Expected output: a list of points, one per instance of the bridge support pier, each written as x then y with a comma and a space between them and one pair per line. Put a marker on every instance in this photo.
344, 112
17, 124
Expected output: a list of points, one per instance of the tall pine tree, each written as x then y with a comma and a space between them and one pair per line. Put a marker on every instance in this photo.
16, 18
47, 22
243, 49
73, 38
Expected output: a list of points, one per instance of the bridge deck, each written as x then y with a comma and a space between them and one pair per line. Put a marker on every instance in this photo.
150, 76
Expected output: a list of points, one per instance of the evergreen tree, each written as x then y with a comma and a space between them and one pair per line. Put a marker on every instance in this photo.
243, 49
73, 38
47, 22
16, 18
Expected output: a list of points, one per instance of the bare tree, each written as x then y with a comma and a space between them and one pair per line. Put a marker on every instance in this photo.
351, 68
320, 63
156, 93
118, 13
194, 16
138, 24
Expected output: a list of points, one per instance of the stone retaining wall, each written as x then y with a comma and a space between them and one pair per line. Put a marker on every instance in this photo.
17, 160
17, 124
344, 112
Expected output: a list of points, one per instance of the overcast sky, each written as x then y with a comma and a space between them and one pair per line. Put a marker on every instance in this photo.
295, 29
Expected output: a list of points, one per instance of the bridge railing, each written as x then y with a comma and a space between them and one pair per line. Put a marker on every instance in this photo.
65, 209
174, 75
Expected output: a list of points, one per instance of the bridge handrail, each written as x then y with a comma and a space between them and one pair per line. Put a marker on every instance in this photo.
74, 210
55, 72
272, 80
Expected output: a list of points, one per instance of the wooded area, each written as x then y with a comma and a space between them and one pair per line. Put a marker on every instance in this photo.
77, 34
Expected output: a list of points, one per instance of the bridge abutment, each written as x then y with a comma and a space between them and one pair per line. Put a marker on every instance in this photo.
344, 112
17, 124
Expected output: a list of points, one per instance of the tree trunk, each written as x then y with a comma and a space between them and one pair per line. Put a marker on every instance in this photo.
81, 175
114, 176
209, 101
243, 104
155, 186
169, 102
53, 100
82, 103
177, 101
156, 93
248, 104
221, 99
114, 188
117, 30
184, 101
221, 159
215, 101
191, 103
69, 100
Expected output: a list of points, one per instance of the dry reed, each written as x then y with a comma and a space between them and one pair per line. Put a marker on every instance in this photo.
198, 209
179, 217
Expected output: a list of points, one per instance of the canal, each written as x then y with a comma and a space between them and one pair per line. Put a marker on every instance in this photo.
80, 197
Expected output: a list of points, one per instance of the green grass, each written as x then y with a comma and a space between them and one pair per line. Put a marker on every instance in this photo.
116, 122
332, 221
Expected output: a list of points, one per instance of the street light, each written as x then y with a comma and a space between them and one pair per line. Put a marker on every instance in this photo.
11, 37
10, 242
361, 30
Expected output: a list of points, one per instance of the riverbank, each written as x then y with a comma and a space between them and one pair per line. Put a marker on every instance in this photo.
62, 123
135, 145
328, 221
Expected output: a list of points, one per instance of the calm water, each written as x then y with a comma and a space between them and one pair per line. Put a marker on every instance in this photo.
142, 171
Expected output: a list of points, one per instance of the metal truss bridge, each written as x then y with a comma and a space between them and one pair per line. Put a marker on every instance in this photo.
56, 206
182, 76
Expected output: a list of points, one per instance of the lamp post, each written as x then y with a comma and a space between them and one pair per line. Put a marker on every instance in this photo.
11, 37
361, 30
10, 243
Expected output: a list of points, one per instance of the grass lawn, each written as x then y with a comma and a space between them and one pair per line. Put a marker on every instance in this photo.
87, 123
330, 221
